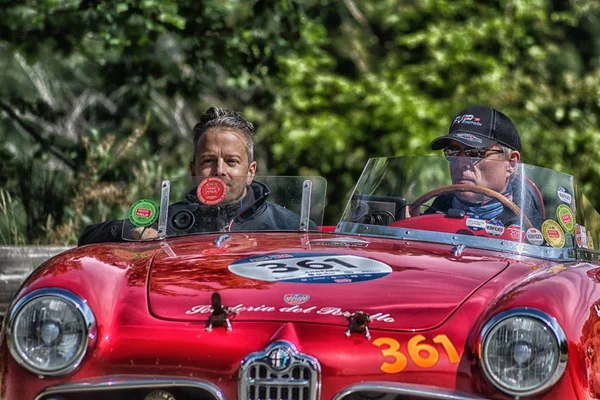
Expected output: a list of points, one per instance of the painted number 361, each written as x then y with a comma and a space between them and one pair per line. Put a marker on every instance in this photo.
422, 354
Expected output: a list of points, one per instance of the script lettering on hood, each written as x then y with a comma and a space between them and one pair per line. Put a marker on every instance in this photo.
335, 311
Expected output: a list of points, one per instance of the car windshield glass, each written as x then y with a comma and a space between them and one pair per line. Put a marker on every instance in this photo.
484, 203
188, 206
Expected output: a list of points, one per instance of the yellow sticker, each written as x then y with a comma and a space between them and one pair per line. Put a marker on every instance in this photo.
553, 233
590, 240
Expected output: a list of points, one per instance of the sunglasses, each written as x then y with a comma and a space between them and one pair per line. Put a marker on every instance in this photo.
470, 152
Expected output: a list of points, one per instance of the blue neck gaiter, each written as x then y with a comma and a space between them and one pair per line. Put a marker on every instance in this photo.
488, 209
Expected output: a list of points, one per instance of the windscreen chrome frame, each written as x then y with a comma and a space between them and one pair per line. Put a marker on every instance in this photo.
305, 206
550, 253
165, 193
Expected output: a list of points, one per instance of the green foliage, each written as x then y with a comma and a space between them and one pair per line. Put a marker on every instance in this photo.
101, 96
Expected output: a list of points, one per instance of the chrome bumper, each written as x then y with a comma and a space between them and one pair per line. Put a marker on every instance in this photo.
405, 389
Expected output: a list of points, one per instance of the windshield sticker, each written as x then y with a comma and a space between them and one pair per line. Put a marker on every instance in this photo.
553, 233
516, 233
295, 299
494, 228
310, 268
581, 236
534, 236
327, 310
143, 213
340, 242
475, 223
565, 217
564, 195
211, 191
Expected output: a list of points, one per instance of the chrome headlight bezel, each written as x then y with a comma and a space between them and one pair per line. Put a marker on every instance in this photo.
544, 319
72, 300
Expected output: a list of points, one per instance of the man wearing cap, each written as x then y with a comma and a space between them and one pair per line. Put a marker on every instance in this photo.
483, 148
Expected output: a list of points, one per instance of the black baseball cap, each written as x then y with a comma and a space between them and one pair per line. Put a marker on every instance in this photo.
480, 126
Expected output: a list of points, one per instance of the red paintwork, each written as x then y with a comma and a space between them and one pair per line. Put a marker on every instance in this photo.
139, 293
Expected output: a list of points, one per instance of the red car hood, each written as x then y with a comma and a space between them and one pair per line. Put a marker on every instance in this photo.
399, 285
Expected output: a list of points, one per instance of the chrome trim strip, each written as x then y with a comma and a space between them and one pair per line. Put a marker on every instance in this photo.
69, 297
546, 319
119, 382
551, 253
275, 382
587, 255
163, 213
407, 389
305, 206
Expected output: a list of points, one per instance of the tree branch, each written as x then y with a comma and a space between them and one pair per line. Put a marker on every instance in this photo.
12, 114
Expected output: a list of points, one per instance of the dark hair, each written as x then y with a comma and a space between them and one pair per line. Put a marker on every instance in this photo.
216, 117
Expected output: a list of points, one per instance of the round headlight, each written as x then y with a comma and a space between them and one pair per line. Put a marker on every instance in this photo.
523, 351
49, 331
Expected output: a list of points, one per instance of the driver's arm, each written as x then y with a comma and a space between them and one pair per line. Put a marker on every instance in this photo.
102, 232
110, 231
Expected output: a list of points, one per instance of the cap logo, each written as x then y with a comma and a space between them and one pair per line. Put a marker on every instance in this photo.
467, 119
468, 136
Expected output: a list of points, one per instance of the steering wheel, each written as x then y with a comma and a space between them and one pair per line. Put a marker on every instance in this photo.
416, 205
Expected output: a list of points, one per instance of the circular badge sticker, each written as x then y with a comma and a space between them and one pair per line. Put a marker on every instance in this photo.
553, 233
211, 191
310, 268
534, 236
516, 233
564, 195
475, 223
565, 217
494, 228
143, 212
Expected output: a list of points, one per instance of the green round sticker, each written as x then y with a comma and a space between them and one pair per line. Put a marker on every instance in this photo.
143, 212
565, 218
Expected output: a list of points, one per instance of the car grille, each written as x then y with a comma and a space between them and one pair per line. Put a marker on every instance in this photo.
280, 372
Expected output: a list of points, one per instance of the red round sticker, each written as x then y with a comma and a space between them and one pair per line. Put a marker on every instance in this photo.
516, 233
211, 191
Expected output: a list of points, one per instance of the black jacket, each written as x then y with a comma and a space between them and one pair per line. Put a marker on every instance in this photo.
524, 196
252, 213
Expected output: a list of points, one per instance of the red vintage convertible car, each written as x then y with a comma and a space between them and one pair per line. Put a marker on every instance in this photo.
400, 301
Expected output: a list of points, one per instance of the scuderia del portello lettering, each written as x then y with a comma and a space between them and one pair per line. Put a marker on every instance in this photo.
336, 311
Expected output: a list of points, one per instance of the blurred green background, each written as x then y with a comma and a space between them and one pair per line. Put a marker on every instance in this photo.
98, 97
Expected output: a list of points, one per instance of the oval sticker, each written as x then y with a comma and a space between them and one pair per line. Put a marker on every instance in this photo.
475, 223
534, 236
553, 233
494, 227
310, 268
516, 233
565, 217
564, 195
211, 191
143, 213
